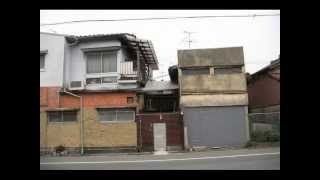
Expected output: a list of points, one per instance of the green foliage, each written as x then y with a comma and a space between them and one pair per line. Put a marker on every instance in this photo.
250, 144
265, 136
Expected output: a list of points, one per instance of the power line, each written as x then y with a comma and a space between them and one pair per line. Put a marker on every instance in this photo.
160, 18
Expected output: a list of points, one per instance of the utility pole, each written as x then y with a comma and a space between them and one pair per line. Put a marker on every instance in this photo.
189, 39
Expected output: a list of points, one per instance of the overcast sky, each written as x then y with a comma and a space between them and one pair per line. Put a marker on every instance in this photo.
259, 36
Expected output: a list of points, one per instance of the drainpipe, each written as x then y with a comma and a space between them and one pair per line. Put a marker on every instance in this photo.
140, 133
81, 117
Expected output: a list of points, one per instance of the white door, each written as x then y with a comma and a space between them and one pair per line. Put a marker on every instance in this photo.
159, 136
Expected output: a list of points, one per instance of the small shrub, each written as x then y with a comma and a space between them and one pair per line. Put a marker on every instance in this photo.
250, 144
60, 149
265, 136
274, 137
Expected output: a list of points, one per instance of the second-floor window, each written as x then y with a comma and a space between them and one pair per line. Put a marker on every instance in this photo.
233, 70
196, 71
101, 62
42, 61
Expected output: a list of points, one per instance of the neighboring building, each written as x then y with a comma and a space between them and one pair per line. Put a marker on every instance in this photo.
264, 88
264, 97
213, 97
52, 55
159, 120
88, 89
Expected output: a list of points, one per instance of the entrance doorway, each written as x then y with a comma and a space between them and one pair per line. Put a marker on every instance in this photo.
159, 134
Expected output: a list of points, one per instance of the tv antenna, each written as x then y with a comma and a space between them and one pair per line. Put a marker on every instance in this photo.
189, 35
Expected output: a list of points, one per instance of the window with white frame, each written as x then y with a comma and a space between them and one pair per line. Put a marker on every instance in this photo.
42, 61
114, 115
62, 116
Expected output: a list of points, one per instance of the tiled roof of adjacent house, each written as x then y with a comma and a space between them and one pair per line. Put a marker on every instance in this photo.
273, 64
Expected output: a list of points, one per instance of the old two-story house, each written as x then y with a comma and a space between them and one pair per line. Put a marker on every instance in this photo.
213, 97
88, 90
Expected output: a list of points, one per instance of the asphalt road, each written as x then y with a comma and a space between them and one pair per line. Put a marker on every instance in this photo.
261, 159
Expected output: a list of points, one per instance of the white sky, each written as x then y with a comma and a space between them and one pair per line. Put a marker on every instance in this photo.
259, 36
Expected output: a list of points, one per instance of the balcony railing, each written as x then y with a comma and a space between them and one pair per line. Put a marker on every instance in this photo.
126, 68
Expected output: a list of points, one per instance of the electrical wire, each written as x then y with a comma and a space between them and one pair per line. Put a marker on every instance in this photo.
160, 18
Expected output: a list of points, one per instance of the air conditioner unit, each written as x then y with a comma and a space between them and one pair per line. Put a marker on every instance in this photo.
76, 85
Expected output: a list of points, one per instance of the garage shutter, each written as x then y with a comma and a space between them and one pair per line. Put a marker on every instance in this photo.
216, 126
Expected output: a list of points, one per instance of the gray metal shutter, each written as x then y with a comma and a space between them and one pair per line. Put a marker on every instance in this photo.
216, 126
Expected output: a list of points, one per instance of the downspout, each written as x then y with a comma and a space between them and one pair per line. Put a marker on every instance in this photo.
140, 133
81, 117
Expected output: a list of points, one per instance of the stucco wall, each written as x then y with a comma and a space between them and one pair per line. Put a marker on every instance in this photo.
76, 69
214, 100
211, 57
212, 83
53, 72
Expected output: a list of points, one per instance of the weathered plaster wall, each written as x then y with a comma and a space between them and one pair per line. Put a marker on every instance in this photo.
214, 100
212, 83
212, 89
211, 57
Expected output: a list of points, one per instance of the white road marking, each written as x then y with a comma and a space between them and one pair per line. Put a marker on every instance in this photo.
157, 160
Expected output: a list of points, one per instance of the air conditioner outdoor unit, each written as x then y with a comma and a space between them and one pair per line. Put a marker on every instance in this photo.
76, 85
